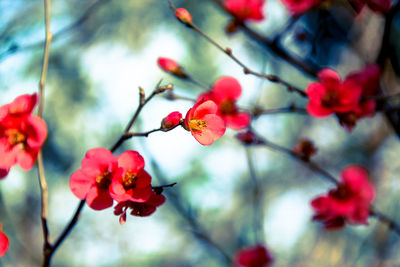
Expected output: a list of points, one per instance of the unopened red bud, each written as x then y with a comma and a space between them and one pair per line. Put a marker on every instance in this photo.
183, 15
248, 138
305, 148
171, 66
172, 120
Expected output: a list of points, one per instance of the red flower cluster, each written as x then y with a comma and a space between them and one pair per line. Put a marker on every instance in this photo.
349, 202
244, 10
21, 134
3, 243
104, 178
346, 99
204, 123
225, 91
256, 256
300, 6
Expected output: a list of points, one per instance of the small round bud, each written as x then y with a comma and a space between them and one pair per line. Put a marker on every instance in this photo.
171, 66
305, 148
172, 120
183, 15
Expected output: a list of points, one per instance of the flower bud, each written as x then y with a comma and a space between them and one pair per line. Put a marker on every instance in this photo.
183, 15
305, 148
172, 120
171, 66
248, 138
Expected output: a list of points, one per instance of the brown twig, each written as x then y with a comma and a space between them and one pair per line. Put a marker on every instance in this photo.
246, 70
310, 69
42, 177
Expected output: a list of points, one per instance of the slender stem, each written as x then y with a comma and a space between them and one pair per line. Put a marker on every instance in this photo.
246, 70
142, 102
41, 172
326, 175
256, 194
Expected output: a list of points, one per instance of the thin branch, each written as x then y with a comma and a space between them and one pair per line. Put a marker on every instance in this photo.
197, 229
310, 68
258, 214
42, 177
142, 102
246, 70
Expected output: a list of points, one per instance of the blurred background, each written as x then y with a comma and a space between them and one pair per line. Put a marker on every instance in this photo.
103, 50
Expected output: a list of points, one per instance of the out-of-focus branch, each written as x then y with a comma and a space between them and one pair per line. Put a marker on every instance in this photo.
310, 68
42, 177
93, 8
197, 230
246, 70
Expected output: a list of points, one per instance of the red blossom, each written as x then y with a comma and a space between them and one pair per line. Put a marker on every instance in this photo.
300, 6
330, 95
171, 66
21, 134
131, 181
92, 181
204, 123
139, 209
173, 119
183, 15
349, 202
225, 92
4, 244
256, 256
244, 10
368, 79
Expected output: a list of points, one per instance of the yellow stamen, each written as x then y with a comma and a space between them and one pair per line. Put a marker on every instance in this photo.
197, 125
15, 137
103, 180
129, 180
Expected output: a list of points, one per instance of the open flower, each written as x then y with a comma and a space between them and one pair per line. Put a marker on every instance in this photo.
349, 202
299, 6
4, 244
244, 10
92, 181
256, 256
225, 92
131, 181
204, 123
21, 134
330, 95
139, 209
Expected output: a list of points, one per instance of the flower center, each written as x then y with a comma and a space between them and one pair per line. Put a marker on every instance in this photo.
342, 192
129, 180
227, 107
197, 125
330, 99
15, 137
103, 180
